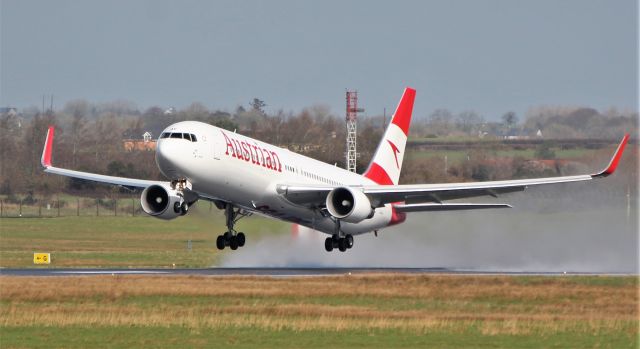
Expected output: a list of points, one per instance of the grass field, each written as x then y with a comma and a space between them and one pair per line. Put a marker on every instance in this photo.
343, 311
121, 241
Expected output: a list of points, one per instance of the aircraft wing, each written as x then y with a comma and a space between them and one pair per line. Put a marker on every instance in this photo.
412, 194
121, 181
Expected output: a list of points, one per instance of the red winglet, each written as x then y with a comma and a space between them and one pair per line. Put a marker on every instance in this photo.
615, 160
46, 152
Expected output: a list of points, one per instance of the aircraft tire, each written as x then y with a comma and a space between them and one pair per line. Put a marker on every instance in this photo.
184, 209
241, 239
220, 243
349, 239
233, 243
342, 245
328, 244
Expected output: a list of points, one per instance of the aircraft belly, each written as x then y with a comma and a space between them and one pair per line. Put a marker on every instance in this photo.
279, 208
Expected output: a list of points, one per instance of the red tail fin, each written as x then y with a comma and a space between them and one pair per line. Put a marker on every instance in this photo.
386, 164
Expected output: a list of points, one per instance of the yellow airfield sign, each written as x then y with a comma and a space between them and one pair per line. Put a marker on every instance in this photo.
41, 258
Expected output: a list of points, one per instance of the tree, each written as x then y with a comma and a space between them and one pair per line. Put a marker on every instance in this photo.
226, 124
195, 111
258, 105
469, 121
510, 119
77, 133
440, 122
154, 111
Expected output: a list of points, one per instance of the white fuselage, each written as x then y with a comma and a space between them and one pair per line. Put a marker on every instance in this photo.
227, 166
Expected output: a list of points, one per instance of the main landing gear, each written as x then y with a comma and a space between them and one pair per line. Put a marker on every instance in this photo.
231, 238
338, 240
341, 243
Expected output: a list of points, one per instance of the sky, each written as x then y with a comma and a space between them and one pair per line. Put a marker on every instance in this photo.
491, 56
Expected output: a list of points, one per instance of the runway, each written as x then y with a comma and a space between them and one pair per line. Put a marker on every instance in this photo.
280, 272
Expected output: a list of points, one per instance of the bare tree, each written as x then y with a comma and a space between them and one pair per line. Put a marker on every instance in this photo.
469, 121
258, 105
440, 122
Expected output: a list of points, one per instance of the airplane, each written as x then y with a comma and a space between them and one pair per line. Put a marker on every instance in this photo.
243, 176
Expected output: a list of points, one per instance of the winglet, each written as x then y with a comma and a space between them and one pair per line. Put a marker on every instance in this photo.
46, 152
614, 161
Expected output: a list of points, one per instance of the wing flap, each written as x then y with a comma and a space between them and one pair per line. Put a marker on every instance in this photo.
437, 192
445, 207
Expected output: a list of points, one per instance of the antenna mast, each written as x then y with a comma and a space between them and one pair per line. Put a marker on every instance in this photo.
352, 119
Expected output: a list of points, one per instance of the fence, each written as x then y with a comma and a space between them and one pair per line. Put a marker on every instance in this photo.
64, 206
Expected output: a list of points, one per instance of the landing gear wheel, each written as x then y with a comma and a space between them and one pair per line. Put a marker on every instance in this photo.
220, 242
349, 239
342, 245
328, 244
184, 208
241, 239
176, 207
233, 243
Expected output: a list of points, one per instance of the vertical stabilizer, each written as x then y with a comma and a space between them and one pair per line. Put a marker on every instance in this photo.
386, 164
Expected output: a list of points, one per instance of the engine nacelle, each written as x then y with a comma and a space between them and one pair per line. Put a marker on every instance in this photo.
160, 201
349, 205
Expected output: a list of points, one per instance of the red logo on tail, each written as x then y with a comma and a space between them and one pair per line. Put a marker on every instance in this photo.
395, 152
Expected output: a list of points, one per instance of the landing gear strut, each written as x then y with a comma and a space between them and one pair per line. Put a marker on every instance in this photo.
231, 238
338, 240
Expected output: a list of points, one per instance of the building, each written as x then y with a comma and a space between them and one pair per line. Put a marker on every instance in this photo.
147, 143
10, 111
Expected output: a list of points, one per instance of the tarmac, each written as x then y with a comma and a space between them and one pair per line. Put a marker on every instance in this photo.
280, 272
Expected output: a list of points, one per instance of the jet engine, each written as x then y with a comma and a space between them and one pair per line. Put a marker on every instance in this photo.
161, 201
349, 205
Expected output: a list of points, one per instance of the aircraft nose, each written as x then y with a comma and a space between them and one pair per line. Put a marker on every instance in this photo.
168, 158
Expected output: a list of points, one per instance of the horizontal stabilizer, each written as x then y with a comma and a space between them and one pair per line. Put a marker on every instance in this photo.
445, 207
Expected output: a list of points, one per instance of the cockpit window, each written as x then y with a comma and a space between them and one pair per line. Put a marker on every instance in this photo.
188, 136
